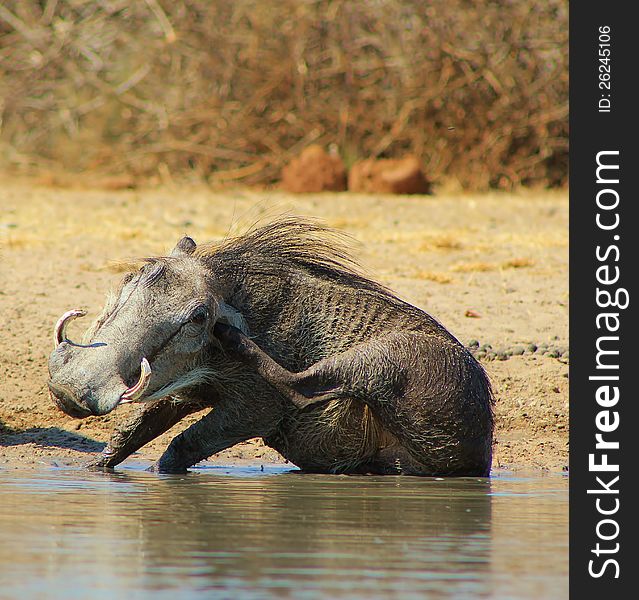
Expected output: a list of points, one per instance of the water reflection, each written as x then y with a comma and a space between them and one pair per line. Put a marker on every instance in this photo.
271, 535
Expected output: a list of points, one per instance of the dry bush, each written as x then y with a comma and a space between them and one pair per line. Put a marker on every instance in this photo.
232, 90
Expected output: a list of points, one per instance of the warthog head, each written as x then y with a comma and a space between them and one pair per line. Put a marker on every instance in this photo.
149, 342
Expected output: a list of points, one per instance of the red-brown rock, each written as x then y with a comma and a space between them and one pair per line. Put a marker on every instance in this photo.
314, 170
388, 176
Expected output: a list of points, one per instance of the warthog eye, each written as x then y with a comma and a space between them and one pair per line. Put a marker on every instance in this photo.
199, 316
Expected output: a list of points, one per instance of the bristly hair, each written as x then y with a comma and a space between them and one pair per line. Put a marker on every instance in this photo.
301, 243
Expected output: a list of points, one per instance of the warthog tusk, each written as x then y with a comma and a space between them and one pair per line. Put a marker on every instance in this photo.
133, 393
60, 329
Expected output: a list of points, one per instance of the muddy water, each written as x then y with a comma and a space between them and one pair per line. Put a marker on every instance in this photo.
246, 533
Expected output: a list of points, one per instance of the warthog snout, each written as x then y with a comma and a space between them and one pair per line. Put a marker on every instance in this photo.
67, 402
72, 392
81, 383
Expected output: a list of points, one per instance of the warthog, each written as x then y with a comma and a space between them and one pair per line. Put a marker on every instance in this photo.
280, 335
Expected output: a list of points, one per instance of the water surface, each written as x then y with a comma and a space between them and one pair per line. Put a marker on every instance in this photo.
222, 532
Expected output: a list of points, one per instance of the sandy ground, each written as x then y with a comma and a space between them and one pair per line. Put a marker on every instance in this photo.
492, 268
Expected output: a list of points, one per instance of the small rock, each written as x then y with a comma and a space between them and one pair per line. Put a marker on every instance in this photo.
388, 176
314, 170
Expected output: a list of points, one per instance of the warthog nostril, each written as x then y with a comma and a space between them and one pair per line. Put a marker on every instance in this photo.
67, 402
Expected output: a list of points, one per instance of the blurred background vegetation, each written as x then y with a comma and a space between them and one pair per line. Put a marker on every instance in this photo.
231, 91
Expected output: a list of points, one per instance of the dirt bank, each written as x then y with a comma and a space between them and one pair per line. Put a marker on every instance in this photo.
493, 268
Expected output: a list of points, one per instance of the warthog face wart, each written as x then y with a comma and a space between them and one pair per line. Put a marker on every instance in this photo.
150, 341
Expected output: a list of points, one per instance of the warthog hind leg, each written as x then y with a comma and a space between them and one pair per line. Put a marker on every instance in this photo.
329, 379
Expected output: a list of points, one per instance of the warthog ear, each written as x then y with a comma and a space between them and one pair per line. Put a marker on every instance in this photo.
184, 247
